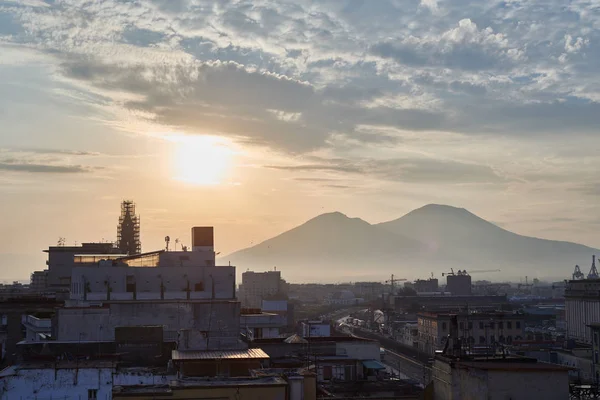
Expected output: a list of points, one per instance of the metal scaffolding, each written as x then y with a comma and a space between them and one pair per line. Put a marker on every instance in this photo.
128, 230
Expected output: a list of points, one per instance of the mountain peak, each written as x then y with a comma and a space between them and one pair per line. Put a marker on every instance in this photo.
441, 208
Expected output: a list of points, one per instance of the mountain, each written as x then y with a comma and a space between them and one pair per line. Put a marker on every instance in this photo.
433, 238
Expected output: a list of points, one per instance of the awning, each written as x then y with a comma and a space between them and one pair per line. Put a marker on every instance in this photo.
372, 364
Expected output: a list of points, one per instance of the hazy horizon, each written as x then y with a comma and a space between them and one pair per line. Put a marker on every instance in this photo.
256, 116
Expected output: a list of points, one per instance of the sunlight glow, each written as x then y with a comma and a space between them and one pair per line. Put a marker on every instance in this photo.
201, 160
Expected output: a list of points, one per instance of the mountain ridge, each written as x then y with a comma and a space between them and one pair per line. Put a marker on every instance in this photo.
436, 236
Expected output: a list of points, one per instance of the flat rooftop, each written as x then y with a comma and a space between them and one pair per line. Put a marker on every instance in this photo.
186, 383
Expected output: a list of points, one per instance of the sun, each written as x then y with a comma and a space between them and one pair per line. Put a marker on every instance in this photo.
200, 160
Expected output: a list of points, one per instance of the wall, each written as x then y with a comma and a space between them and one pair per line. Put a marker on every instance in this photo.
148, 282
359, 350
98, 324
56, 384
233, 392
547, 385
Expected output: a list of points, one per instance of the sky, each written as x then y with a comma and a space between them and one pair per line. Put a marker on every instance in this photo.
254, 116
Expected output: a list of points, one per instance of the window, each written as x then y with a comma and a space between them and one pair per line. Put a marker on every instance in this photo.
470, 325
596, 338
199, 287
444, 326
92, 394
461, 326
492, 325
481, 339
518, 324
327, 372
481, 325
508, 325
509, 339
492, 339
500, 325
130, 288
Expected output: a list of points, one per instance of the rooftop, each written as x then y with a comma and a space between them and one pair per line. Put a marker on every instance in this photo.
257, 354
500, 363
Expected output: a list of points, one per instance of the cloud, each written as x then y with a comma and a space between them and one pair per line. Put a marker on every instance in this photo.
464, 47
44, 168
413, 170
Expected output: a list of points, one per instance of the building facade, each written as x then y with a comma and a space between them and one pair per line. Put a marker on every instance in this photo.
475, 329
582, 308
258, 286
39, 281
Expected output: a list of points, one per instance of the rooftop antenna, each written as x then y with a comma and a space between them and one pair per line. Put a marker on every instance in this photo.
167, 240
593, 271
61, 241
176, 241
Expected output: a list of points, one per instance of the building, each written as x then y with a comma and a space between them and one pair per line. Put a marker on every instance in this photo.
62, 259
262, 325
426, 285
108, 379
280, 307
407, 333
258, 286
315, 329
337, 358
39, 281
343, 297
459, 284
582, 308
445, 302
128, 230
37, 329
476, 329
595, 356
497, 378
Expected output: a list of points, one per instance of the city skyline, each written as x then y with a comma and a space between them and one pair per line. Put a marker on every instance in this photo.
254, 117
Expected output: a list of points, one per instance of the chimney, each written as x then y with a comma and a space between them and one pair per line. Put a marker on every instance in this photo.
203, 238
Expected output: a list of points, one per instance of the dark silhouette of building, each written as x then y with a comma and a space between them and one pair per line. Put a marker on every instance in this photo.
128, 231
459, 284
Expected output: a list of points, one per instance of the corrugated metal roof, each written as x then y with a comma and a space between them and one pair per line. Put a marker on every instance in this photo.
219, 354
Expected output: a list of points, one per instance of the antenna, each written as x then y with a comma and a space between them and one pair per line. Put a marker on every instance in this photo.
176, 241
167, 241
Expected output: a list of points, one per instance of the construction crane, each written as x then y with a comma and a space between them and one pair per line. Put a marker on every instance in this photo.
526, 284
593, 271
577, 274
393, 280
483, 270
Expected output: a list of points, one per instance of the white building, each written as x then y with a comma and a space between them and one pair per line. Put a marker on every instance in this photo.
498, 379
315, 329
262, 325
257, 286
582, 308
408, 334
37, 329
87, 380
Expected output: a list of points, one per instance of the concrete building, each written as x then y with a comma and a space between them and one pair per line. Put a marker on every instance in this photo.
262, 325
37, 329
280, 307
39, 281
475, 329
444, 301
407, 333
315, 329
459, 284
62, 260
339, 358
258, 286
595, 333
99, 283
496, 378
426, 285
343, 297
582, 308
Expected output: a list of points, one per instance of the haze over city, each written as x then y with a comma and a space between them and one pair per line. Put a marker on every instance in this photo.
255, 117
